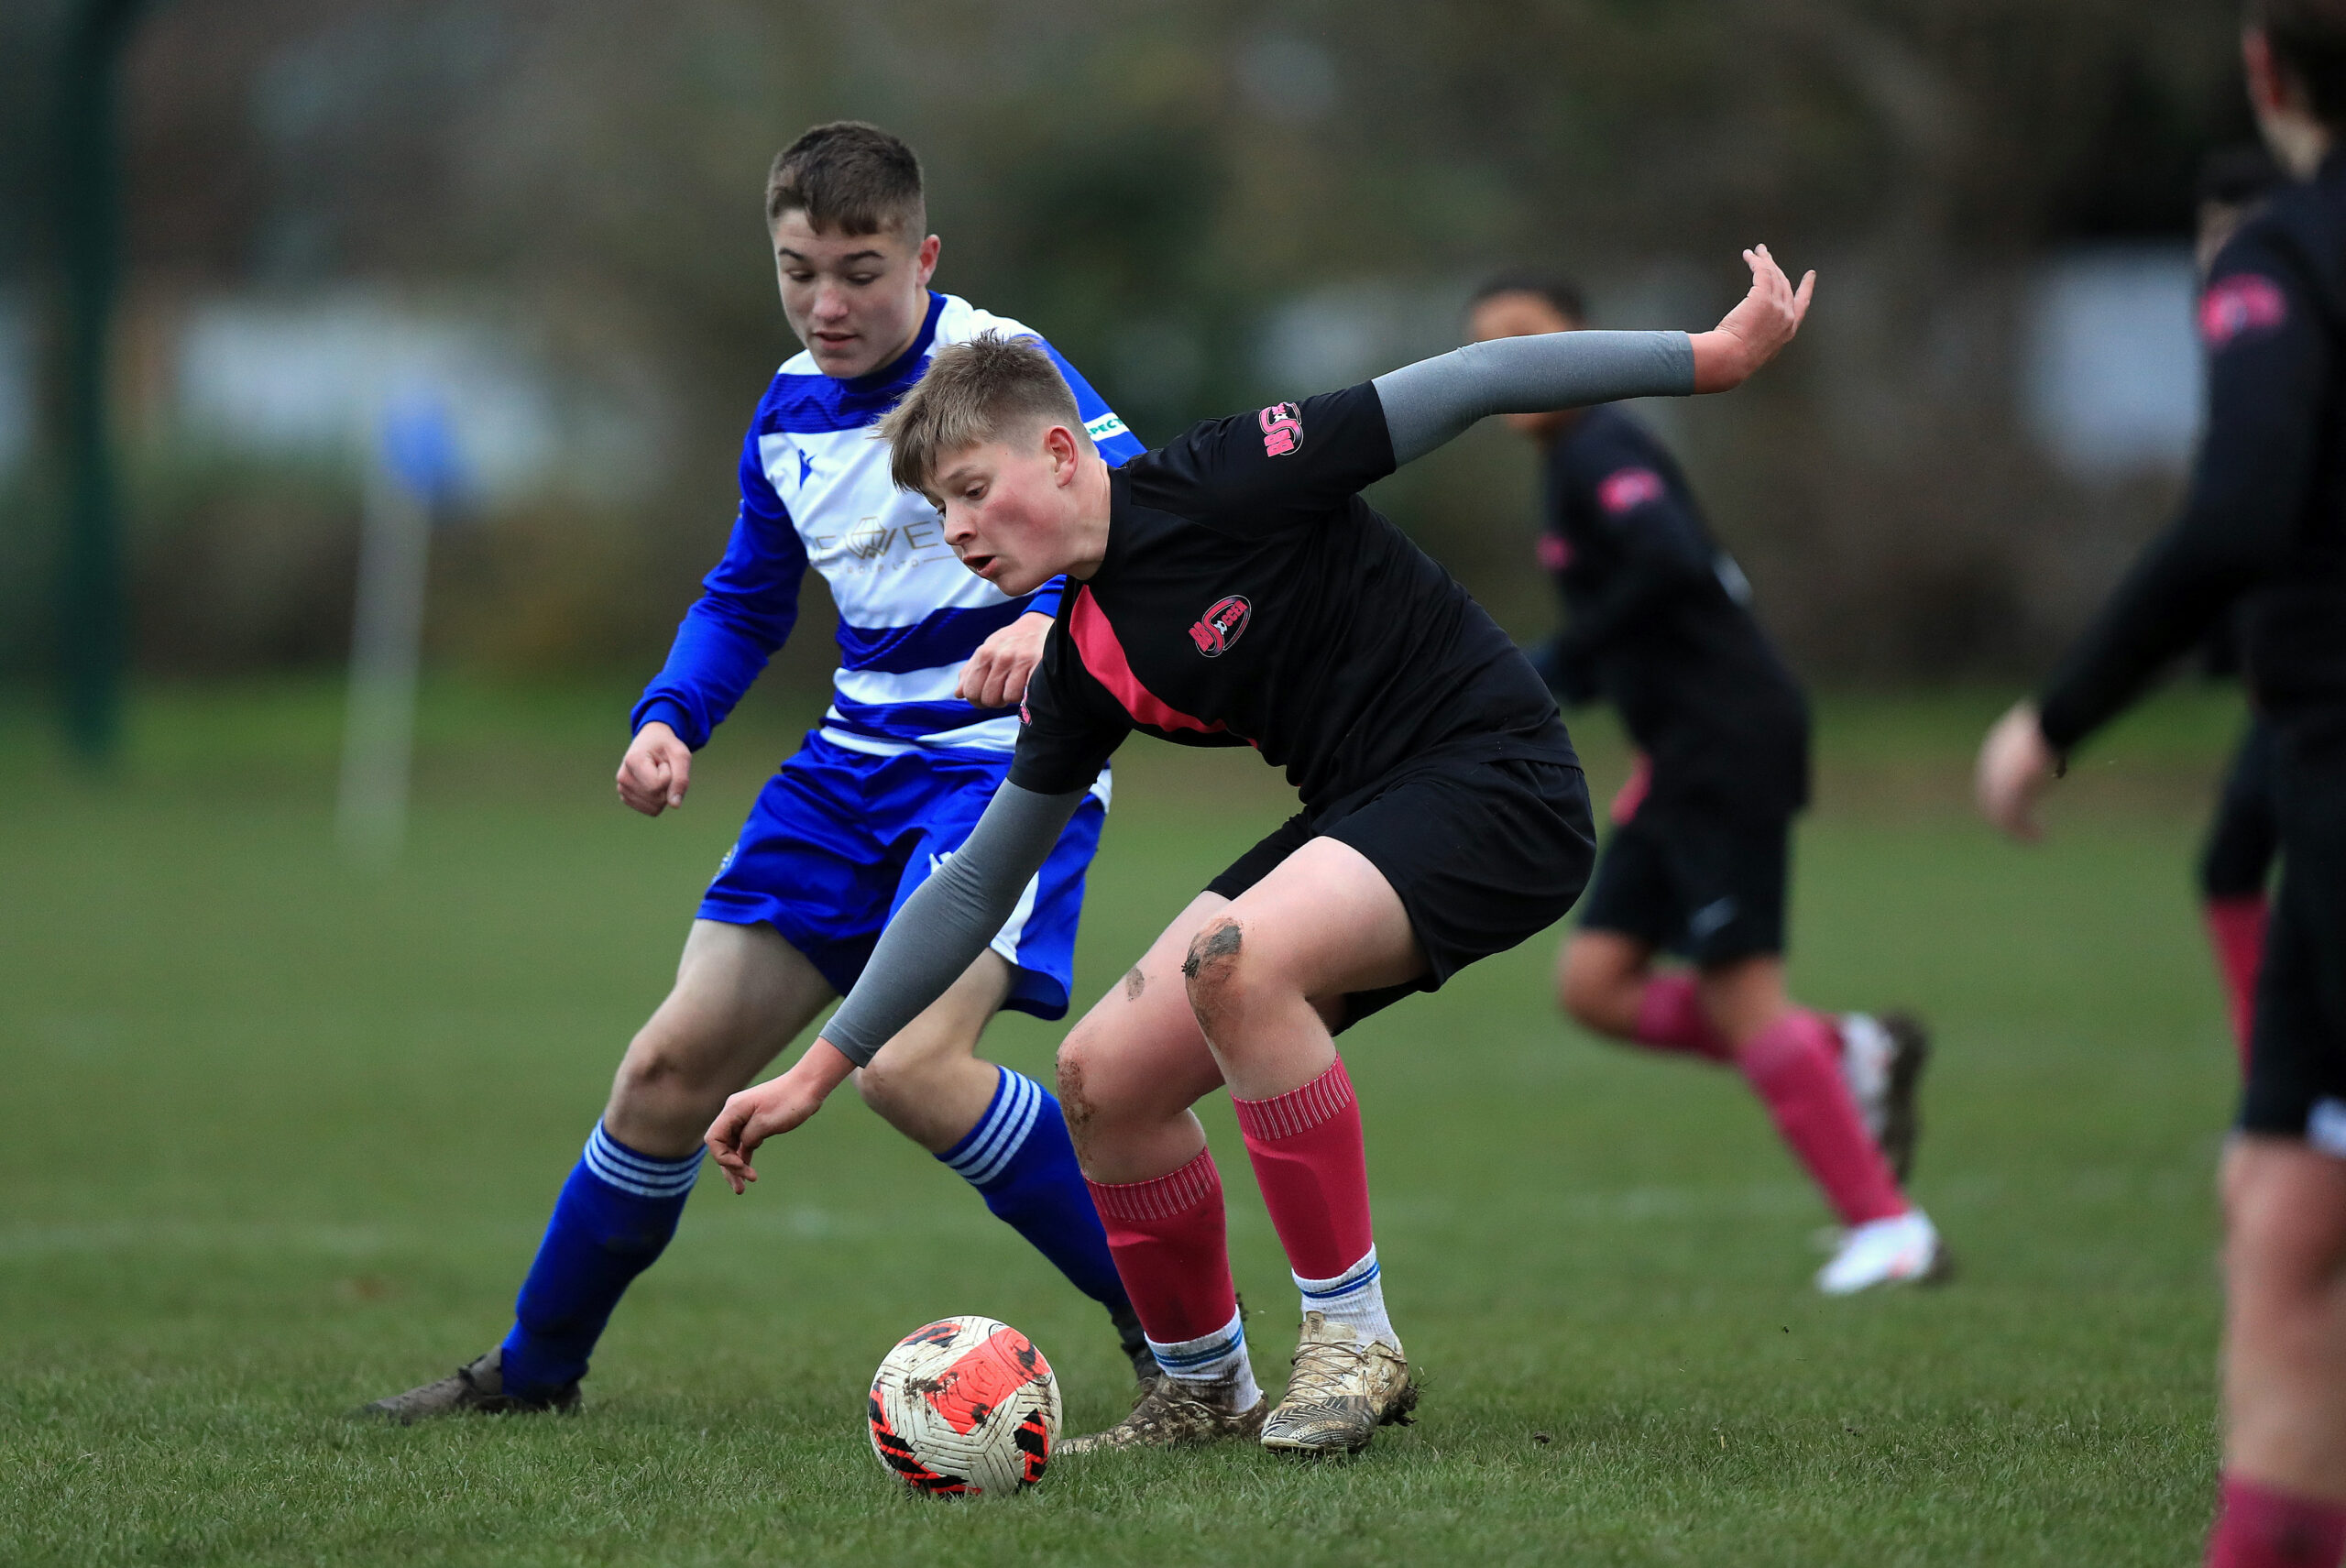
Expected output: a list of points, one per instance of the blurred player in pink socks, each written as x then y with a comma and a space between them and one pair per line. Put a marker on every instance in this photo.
1659, 623
2262, 537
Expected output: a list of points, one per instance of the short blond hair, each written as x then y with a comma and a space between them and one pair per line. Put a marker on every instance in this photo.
985, 390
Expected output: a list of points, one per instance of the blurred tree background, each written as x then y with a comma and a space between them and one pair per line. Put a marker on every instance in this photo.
554, 208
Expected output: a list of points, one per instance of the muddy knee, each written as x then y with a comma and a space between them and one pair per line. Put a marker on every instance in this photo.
1077, 1055
1212, 972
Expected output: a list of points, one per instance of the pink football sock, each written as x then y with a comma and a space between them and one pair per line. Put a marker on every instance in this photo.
2236, 930
1309, 1162
1794, 1064
1671, 1018
2259, 1528
1168, 1239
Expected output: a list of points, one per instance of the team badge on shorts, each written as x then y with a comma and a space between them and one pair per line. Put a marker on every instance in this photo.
1222, 626
1282, 429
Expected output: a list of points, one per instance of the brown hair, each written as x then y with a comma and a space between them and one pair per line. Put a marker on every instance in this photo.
848, 178
2308, 38
1563, 295
974, 392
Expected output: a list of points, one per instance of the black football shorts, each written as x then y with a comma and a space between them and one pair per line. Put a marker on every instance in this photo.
1708, 886
2296, 1075
1482, 853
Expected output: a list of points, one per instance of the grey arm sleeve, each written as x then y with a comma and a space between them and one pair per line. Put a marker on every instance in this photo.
950, 919
1436, 399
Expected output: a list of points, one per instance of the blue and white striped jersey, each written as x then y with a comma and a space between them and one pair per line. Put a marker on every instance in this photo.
815, 490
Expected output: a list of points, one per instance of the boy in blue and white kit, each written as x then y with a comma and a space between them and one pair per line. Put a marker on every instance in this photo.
905, 760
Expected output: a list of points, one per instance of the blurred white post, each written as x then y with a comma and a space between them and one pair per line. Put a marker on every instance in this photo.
409, 465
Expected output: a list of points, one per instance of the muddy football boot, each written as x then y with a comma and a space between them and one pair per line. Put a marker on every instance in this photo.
1883, 1060
1174, 1414
1342, 1386
477, 1387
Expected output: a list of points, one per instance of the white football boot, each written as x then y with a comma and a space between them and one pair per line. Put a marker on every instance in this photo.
1905, 1250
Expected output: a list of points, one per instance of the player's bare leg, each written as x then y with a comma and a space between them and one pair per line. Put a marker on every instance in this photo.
929, 1084
742, 994
1259, 979
1266, 978
2285, 1339
1128, 1073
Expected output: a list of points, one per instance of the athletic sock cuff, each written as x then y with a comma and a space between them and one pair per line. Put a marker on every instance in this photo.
988, 1149
1197, 1359
1298, 1110
645, 1175
1321, 1294
1175, 1192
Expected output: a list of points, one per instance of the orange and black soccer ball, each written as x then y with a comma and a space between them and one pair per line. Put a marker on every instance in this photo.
965, 1405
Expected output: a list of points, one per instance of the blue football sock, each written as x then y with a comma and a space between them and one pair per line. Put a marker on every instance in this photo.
615, 1215
1019, 1159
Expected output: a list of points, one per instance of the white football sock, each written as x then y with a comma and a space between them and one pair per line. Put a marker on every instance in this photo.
1355, 1296
1217, 1357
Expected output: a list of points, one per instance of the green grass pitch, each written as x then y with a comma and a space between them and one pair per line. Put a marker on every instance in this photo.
278, 1136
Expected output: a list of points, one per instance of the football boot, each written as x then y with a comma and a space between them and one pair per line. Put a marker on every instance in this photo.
1174, 1414
477, 1387
1903, 1250
1342, 1387
1883, 1061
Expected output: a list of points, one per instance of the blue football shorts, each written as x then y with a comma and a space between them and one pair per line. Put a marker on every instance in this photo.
838, 840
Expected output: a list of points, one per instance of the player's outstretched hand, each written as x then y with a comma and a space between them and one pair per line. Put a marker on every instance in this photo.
1755, 330
772, 1108
996, 675
656, 771
2015, 764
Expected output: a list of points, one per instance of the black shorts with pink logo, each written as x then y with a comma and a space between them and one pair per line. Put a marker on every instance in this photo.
1485, 847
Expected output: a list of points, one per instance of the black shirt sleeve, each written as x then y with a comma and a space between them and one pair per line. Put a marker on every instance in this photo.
1287, 466
1068, 726
1657, 546
2268, 363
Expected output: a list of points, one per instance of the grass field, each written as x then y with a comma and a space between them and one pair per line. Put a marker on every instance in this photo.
277, 1137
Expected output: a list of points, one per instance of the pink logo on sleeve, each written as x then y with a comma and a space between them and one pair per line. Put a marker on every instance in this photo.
1555, 553
2234, 307
1628, 489
1282, 429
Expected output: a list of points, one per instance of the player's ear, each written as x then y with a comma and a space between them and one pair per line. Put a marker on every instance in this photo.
1064, 452
924, 259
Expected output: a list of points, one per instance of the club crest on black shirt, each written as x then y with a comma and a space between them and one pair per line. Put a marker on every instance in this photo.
1282, 429
1222, 626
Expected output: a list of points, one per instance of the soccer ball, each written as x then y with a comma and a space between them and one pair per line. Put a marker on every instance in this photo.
965, 1405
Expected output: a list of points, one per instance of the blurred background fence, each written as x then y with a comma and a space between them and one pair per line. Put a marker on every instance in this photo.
545, 217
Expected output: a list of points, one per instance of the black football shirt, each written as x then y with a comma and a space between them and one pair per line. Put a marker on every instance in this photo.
1656, 618
1249, 596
